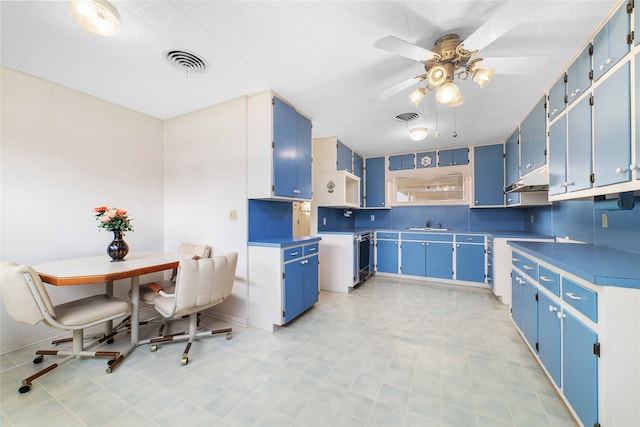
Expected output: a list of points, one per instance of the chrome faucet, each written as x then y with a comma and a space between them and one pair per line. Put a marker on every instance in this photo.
427, 223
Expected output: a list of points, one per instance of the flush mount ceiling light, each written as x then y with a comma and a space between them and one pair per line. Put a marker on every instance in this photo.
96, 16
418, 134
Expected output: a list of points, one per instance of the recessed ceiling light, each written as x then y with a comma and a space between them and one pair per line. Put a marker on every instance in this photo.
96, 16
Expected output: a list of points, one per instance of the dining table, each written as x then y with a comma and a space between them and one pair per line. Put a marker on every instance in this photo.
101, 269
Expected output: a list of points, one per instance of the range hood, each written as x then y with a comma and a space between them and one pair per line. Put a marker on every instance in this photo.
538, 180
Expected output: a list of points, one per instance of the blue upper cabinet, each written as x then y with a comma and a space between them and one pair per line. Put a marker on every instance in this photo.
358, 170
533, 139
612, 42
455, 157
402, 162
488, 175
345, 158
637, 163
426, 160
512, 165
303, 157
558, 157
579, 143
579, 75
558, 97
612, 129
374, 182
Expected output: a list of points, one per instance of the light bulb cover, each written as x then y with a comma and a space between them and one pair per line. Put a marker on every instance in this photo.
437, 75
458, 100
96, 16
417, 95
483, 76
447, 92
418, 134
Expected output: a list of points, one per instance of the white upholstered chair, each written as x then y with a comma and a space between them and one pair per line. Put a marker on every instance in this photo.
27, 301
200, 284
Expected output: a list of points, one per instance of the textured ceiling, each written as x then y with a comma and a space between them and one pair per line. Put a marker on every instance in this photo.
317, 55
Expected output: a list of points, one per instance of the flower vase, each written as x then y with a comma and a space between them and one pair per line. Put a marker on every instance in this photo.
118, 248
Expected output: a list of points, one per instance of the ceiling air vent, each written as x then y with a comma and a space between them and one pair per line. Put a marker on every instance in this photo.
186, 61
406, 117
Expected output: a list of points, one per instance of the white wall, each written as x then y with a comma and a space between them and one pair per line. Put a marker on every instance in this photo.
205, 179
62, 153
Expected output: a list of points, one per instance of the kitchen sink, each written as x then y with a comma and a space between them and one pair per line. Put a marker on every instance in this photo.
427, 229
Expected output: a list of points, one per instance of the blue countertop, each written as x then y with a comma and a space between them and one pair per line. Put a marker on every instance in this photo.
494, 233
284, 242
595, 264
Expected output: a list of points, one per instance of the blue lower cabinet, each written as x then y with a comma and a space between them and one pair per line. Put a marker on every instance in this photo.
580, 368
310, 283
549, 336
439, 260
516, 299
414, 258
470, 262
300, 286
387, 256
530, 313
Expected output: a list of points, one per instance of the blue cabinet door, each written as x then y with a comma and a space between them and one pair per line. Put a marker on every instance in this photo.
457, 156
387, 256
426, 160
284, 139
558, 97
637, 98
530, 313
579, 75
512, 166
533, 135
610, 44
579, 147
488, 175
303, 157
580, 369
516, 299
439, 258
293, 292
558, 156
612, 129
413, 258
402, 162
470, 262
549, 336
310, 281
358, 170
374, 177
344, 156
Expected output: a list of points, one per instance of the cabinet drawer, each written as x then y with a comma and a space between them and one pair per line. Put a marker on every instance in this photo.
383, 235
582, 299
292, 253
310, 249
469, 238
549, 279
516, 259
530, 268
439, 237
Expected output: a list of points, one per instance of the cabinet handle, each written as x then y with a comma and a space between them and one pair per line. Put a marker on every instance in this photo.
545, 279
602, 67
529, 165
572, 296
515, 259
312, 249
561, 315
621, 170
293, 253
528, 267
633, 166
552, 308
306, 261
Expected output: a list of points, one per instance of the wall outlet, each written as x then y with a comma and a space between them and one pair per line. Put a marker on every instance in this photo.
373, 218
324, 221
605, 220
233, 215
532, 219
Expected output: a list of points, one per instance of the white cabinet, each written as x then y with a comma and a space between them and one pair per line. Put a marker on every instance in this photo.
335, 182
278, 149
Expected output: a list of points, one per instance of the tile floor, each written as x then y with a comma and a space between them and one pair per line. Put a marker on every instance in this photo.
392, 353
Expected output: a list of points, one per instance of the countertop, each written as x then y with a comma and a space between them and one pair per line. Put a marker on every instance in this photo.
494, 233
595, 264
284, 242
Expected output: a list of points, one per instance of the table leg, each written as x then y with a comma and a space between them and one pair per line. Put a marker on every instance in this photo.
135, 322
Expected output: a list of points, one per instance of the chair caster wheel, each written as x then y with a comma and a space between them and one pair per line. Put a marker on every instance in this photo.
229, 336
24, 389
36, 361
110, 362
184, 361
110, 341
154, 347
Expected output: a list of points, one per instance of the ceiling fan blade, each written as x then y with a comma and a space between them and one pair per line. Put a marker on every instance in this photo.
510, 15
393, 90
402, 47
515, 64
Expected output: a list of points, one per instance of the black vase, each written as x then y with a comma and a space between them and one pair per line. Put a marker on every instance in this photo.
118, 248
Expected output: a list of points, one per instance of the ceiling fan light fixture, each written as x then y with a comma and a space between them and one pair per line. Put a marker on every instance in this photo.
458, 100
418, 134
447, 92
437, 75
483, 76
417, 95
96, 16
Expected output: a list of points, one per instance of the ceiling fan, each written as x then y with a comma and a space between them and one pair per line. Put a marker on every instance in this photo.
451, 58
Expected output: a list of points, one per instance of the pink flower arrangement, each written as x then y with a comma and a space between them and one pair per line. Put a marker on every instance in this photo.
113, 219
